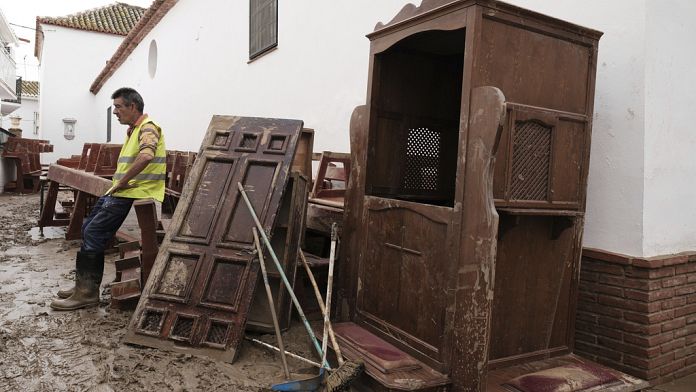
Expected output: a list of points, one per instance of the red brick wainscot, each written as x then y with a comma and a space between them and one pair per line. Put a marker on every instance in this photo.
638, 315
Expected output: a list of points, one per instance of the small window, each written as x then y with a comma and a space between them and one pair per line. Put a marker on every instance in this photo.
263, 26
152, 59
36, 123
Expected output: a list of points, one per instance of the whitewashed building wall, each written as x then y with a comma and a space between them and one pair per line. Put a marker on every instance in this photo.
70, 60
640, 160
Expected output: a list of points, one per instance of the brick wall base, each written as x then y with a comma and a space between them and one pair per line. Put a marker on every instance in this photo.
638, 315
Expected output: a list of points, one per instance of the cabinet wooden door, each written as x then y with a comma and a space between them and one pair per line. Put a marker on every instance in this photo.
197, 299
403, 270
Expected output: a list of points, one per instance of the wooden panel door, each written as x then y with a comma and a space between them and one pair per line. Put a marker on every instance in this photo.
197, 300
403, 271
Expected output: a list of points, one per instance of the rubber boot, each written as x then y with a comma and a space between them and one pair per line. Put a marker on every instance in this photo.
62, 294
88, 277
66, 293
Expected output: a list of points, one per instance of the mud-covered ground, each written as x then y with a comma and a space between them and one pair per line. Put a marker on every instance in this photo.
45, 350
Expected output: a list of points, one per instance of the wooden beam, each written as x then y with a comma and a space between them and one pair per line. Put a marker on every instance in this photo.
80, 180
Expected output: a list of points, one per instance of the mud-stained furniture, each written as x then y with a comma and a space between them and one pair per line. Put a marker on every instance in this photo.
427, 270
201, 287
179, 164
24, 154
90, 178
136, 258
287, 235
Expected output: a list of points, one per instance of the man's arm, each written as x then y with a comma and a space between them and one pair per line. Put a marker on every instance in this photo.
141, 161
149, 137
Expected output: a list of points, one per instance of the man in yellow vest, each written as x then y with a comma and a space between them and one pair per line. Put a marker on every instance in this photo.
140, 174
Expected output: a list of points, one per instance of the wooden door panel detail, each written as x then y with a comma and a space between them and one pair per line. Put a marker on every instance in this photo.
183, 327
540, 162
202, 284
203, 208
151, 321
258, 180
216, 333
403, 288
247, 141
177, 277
224, 284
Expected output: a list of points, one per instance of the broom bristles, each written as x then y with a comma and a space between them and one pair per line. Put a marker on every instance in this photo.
340, 379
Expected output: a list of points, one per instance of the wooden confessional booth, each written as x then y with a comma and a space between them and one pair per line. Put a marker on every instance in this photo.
464, 210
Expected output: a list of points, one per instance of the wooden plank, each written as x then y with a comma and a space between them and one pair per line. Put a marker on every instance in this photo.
146, 213
203, 280
303, 157
477, 254
80, 180
48, 210
321, 217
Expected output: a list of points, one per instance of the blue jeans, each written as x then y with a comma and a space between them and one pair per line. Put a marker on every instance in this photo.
106, 217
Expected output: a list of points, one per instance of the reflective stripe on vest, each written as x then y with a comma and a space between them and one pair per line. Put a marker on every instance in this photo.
149, 183
132, 159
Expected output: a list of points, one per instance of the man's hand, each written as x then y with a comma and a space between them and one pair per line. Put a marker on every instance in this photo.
121, 185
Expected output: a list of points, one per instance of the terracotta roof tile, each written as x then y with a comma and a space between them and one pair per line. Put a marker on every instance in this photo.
118, 18
30, 88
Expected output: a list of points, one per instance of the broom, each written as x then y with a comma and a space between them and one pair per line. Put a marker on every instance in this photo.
341, 378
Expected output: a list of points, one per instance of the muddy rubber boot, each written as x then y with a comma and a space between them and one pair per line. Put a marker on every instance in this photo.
90, 268
63, 294
68, 292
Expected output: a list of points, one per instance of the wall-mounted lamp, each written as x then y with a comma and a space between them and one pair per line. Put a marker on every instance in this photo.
69, 128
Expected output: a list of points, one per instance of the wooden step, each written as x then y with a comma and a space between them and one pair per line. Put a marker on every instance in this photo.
388, 368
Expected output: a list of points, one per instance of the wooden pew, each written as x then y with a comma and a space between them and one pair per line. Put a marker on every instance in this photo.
25, 154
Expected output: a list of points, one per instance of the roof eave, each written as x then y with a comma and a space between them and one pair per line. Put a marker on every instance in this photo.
147, 22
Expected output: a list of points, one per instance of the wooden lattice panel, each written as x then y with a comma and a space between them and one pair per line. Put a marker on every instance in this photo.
423, 151
531, 161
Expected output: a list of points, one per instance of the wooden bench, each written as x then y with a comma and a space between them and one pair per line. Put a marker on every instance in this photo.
97, 162
25, 154
179, 164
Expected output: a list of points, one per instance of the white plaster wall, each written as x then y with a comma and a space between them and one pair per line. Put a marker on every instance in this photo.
6, 173
26, 112
70, 61
670, 137
318, 73
614, 217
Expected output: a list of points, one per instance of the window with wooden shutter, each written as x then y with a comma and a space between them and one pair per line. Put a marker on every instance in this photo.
108, 124
263, 26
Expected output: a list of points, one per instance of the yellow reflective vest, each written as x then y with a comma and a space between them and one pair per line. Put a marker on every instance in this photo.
149, 183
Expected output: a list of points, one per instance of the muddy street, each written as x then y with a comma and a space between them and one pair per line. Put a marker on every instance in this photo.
45, 350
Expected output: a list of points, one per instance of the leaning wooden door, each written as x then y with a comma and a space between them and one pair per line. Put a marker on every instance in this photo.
403, 270
197, 299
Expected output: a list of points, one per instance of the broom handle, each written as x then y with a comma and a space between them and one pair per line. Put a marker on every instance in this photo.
288, 353
282, 274
332, 336
329, 286
271, 303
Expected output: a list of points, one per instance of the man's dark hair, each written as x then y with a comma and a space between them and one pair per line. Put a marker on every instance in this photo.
130, 96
